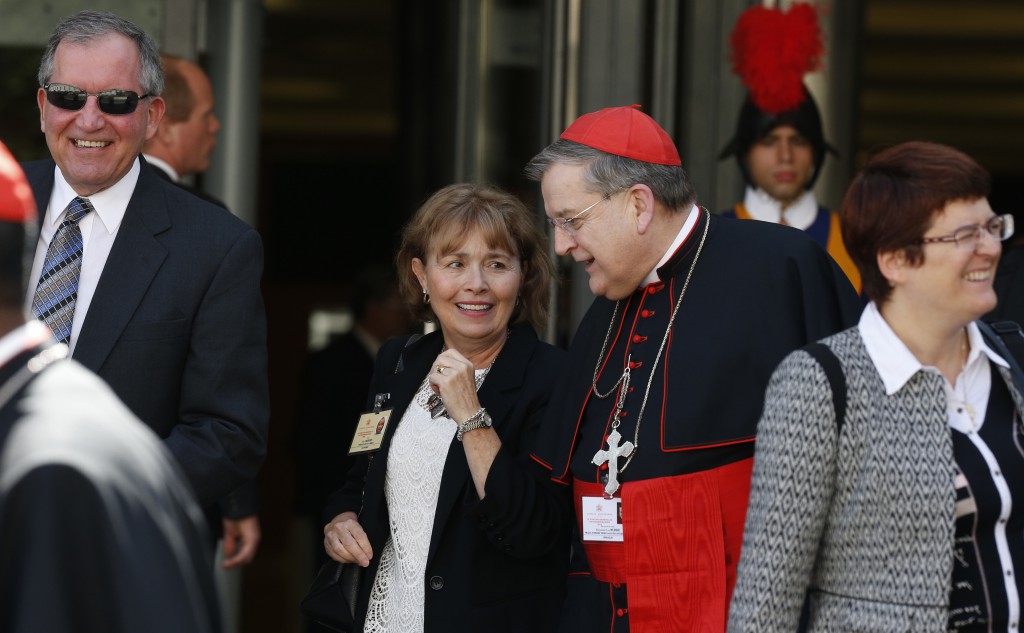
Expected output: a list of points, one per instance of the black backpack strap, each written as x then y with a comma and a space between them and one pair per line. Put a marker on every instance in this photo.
1011, 335
836, 378
1007, 339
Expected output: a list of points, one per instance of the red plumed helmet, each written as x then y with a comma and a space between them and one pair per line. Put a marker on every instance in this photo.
772, 50
17, 228
16, 202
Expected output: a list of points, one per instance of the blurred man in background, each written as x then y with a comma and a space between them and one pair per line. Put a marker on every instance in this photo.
187, 136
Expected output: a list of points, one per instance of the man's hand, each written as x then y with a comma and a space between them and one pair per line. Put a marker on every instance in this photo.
241, 540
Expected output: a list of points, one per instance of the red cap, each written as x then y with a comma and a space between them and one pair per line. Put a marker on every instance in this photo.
16, 201
624, 131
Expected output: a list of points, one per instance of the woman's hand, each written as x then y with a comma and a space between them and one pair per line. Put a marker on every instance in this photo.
346, 542
453, 377
456, 383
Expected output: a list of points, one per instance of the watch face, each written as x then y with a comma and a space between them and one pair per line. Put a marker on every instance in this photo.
479, 422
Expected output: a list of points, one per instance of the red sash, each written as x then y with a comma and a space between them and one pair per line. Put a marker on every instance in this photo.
681, 543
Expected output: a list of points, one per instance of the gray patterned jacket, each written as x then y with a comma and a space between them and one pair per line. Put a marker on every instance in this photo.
865, 518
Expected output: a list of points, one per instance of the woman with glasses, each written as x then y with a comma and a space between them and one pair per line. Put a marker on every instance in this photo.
446, 513
888, 481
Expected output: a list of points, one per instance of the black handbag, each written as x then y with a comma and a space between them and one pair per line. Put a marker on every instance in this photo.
331, 599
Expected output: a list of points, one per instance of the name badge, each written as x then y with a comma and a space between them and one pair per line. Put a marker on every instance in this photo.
370, 431
602, 519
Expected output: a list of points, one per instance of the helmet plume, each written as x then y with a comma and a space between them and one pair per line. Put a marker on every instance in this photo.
772, 50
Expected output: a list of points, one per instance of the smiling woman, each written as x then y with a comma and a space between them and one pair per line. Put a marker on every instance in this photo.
453, 478
473, 289
932, 422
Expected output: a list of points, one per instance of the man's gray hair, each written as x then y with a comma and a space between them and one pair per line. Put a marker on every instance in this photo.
85, 26
608, 173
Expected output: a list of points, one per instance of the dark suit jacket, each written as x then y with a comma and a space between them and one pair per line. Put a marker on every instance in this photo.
178, 329
494, 565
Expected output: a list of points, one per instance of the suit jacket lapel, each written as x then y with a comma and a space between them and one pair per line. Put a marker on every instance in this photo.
403, 388
134, 260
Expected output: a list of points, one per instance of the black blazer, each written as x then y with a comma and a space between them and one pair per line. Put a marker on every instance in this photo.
177, 328
494, 565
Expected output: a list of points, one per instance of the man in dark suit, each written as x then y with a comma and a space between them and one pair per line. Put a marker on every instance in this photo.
168, 309
83, 483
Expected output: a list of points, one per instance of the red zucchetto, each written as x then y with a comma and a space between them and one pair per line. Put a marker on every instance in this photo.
624, 131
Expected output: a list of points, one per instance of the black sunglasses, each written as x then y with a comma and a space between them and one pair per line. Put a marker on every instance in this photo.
113, 101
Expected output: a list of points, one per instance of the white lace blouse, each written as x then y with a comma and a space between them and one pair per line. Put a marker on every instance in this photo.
416, 461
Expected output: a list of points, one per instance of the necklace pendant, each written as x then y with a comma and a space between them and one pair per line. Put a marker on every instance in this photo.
436, 407
612, 455
971, 415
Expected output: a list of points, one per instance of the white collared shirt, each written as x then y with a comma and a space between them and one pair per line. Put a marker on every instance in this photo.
98, 232
164, 165
966, 407
800, 214
967, 399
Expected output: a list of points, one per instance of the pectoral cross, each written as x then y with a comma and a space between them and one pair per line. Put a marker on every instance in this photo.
612, 457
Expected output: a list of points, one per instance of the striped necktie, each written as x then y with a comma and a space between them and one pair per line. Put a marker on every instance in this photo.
54, 301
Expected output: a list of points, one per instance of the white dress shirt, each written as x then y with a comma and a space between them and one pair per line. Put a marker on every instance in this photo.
98, 232
896, 364
164, 165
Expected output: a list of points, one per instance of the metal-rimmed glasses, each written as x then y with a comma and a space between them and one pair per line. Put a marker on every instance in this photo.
966, 237
571, 225
113, 101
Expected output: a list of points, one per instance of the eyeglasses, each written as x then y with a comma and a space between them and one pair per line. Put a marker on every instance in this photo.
114, 101
966, 237
571, 225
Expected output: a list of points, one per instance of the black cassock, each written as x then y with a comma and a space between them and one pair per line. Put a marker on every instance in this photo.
757, 291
